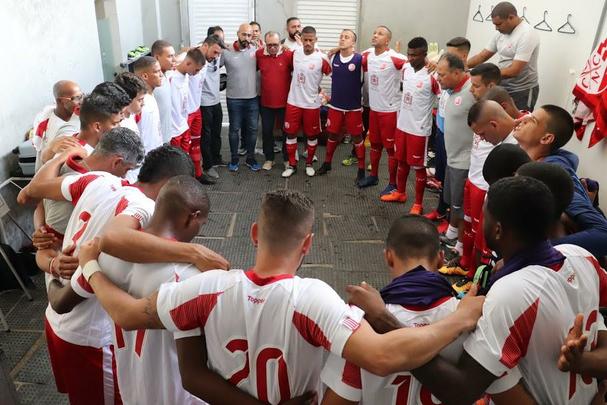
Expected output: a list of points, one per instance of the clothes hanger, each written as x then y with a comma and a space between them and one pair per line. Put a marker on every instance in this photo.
489, 16
523, 16
566, 28
478, 17
543, 25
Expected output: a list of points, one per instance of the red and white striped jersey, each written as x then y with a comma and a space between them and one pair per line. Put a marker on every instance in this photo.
383, 73
264, 335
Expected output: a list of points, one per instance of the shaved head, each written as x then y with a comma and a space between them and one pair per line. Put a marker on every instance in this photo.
490, 121
65, 88
244, 27
504, 10
388, 31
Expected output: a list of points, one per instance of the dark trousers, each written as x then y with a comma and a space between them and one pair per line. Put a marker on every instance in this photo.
525, 100
212, 116
440, 166
269, 116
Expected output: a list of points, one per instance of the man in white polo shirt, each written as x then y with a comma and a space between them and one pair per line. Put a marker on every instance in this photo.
517, 46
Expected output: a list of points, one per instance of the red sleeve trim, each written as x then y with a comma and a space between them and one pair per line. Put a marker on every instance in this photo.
310, 331
398, 62
85, 284
365, 61
41, 129
351, 376
77, 188
121, 206
195, 312
516, 344
326, 67
600, 272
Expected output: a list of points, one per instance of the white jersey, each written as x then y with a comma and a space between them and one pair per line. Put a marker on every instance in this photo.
145, 356
478, 155
149, 124
383, 72
162, 95
180, 91
195, 90
47, 126
419, 95
527, 328
130, 122
97, 197
292, 45
307, 75
356, 385
265, 336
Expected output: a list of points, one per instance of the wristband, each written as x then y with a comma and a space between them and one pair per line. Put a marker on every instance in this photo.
91, 267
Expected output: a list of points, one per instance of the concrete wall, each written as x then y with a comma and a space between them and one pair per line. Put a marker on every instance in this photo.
273, 14
49, 40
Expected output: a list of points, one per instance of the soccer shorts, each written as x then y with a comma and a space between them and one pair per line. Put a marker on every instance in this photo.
411, 149
294, 116
353, 120
195, 124
382, 126
453, 190
182, 141
474, 198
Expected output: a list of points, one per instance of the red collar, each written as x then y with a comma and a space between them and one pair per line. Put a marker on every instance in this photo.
236, 46
251, 275
458, 88
75, 165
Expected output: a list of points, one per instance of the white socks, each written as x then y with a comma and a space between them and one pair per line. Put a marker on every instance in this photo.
451, 232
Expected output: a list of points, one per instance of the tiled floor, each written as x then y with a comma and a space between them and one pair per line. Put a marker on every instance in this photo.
350, 228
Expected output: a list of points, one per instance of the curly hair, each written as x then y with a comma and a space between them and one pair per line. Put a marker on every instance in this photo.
163, 163
131, 84
115, 93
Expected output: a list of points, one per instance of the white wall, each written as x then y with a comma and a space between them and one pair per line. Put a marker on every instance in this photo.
273, 14
48, 40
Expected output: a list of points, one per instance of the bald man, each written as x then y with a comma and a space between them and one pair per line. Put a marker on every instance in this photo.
503, 98
241, 93
60, 119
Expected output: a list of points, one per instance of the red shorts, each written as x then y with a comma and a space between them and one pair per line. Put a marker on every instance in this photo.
182, 141
353, 121
411, 149
294, 117
382, 126
474, 198
86, 374
195, 124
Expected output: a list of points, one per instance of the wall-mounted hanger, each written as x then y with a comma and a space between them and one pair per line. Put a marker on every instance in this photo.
523, 16
478, 17
543, 25
566, 28
489, 16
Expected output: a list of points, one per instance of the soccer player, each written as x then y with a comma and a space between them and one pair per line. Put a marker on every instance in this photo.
303, 104
542, 135
136, 89
148, 69
295, 319
501, 96
191, 65
525, 329
275, 65
383, 66
294, 40
414, 124
62, 118
503, 161
416, 296
345, 108
164, 53
483, 78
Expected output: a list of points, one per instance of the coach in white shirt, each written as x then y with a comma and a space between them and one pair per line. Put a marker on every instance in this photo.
517, 46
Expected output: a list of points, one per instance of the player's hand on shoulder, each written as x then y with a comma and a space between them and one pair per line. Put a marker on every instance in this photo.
89, 250
41, 239
206, 259
573, 347
471, 308
366, 298
308, 398
63, 143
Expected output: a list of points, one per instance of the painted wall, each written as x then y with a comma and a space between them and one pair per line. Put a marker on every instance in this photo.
273, 14
50, 40
170, 21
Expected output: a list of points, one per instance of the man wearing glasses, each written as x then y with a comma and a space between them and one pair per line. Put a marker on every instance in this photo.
275, 65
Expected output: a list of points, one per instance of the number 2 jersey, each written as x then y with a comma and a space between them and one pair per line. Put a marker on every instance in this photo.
264, 335
356, 385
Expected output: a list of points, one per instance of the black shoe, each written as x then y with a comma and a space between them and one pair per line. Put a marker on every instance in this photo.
360, 175
206, 179
324, 169
221, 163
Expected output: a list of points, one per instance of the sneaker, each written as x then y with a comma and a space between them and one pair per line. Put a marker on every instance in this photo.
310, 171
289, 171
324, 169
417, 209
394, 196
213, 172
452, 271
277, 149
462, 286
259, 151
389, 188
349, 161
206, 179
233, 167
360, 175
220, 163
242, 151
368, 181
446, 241
267, 165
435, 216
253, 165
434, 185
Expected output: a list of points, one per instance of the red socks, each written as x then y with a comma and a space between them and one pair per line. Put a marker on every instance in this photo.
420, 185
331, 146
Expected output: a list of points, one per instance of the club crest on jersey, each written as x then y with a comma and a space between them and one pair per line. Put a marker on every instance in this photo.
374, 80
301, 78
420, 85
351, 67
311, 66
458, 100
408, 98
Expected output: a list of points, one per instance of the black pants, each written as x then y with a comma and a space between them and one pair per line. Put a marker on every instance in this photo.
268, 120
212, 116
525, 100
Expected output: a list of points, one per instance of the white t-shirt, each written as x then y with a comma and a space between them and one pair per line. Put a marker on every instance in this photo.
526, 318
307, 75
383, 72
47, 126
292, 45
97, 197
265, 336
180, 92
356, 385
162, 94
195, 90
149, 124
146, 360
478, 155
419, 95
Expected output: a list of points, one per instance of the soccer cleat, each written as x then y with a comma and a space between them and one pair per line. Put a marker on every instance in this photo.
233, 167
289, 171
435, 216
310, 172
349, 161
360, 175
267, 165
434, 185
452, 271
253, 165
213, 172
416, 209
368, 181
242, 151
324, 169
389, 188
394, 196
462, 286
259, 151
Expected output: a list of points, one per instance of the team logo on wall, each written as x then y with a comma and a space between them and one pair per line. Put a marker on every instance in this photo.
351, 67
458, 100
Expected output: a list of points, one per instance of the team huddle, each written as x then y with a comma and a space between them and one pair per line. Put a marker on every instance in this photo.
139, 314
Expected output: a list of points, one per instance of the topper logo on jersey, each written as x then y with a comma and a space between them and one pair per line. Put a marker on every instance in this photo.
255, 300
351, 67
457, 101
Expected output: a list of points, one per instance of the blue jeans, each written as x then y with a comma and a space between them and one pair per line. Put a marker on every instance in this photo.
243, 114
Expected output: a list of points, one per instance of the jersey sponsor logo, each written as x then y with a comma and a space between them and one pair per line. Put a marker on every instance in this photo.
457, 101
351, 67
255, 300
383, 66
374, 79
408, 98
301, 78
420, 85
